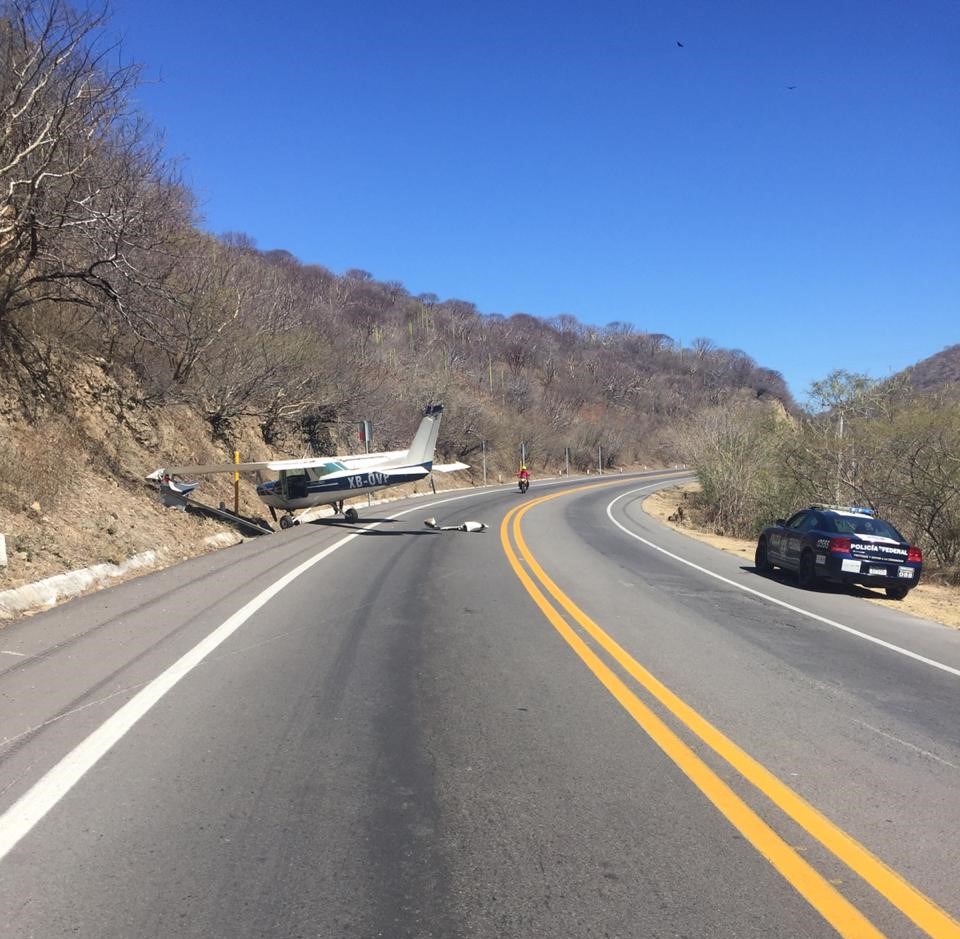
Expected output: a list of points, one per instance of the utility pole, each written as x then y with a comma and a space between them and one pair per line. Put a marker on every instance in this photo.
600, 458
836, 497
566, 461
483, 448
366, 432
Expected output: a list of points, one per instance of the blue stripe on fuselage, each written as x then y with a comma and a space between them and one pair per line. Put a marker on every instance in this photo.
372, 479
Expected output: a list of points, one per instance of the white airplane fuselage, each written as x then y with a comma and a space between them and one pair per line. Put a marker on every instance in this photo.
312, 481
306, 489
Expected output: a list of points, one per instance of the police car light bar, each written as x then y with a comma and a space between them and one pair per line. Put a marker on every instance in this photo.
852, 509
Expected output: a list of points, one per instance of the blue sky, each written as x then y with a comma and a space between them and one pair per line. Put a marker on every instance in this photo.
572, 158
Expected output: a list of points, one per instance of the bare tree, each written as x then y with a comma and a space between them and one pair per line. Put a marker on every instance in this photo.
82, 187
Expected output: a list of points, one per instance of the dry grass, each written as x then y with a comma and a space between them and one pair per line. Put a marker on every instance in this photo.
34, 464
73, 493
932, 601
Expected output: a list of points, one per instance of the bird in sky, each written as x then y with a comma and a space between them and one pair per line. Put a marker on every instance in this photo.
680, 44
791, 87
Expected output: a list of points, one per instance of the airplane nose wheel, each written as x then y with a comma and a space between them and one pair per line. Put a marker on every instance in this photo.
286, 521
351, 515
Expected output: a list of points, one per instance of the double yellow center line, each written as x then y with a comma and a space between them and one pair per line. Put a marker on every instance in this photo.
577, 628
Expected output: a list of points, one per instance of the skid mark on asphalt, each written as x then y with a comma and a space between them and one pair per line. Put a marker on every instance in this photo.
909, 746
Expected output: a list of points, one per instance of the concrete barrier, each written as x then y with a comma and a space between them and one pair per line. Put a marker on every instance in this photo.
50, 590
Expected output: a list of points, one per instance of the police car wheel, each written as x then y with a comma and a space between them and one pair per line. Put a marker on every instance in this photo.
806, 576
760, 560
896, 592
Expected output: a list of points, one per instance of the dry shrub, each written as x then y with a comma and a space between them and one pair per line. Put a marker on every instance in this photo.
737, 452
35, 464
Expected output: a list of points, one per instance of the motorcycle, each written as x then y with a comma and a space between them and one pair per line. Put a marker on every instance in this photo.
524, 483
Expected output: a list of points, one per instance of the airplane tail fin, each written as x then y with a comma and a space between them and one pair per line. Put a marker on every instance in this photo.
425, 440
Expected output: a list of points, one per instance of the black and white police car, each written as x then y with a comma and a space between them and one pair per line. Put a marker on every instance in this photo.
845, 544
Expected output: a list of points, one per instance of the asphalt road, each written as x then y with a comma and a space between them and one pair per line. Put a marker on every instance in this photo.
574, 724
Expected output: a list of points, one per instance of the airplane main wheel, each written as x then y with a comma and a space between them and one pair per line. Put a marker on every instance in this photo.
286, 521
351, 515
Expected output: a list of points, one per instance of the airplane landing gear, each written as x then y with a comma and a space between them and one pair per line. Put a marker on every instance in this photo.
351, 515
287, 521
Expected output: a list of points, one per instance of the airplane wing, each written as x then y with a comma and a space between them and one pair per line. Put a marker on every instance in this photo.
204, 469
354, 464
361, 460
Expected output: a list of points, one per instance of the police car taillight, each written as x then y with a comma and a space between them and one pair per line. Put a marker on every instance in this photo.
915, 555
839, 545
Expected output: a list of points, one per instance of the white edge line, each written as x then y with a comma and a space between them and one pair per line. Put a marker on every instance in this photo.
18, 820
765, 596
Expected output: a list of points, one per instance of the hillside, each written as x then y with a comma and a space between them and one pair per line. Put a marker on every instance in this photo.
72, 491
936, 372
78, 438
72, 486
129, 337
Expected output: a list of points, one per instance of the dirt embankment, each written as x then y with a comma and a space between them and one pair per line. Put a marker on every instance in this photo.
931, 601
72, 486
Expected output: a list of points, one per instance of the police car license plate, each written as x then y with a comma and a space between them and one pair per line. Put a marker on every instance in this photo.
905, 572
878, 572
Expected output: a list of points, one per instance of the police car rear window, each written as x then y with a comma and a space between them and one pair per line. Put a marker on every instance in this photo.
861, 525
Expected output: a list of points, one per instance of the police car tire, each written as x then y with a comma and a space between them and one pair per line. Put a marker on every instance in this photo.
761, 562
896, 592
806, 574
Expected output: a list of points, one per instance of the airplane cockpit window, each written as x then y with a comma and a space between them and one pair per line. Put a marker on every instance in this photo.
326, 468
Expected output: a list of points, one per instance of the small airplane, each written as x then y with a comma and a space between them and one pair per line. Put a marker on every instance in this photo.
313, 481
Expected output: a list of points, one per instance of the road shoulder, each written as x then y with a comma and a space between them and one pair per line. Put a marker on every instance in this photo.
929, 601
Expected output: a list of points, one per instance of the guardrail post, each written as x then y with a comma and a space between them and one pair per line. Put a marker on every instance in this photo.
236, 485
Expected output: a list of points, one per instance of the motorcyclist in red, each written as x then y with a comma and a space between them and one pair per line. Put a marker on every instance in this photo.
524, 477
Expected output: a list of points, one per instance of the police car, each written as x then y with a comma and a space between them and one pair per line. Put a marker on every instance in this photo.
844, 544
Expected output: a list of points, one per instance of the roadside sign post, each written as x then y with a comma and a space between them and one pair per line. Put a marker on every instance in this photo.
366, 433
